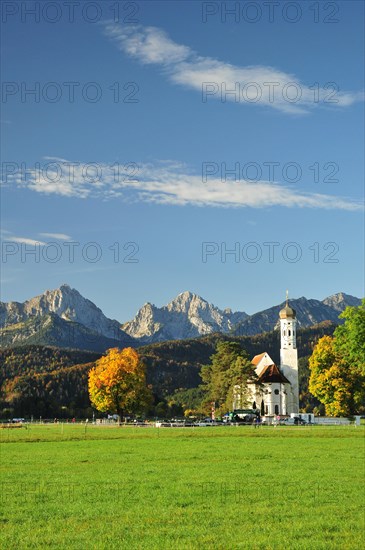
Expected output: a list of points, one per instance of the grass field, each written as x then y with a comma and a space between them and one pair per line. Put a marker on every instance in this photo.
223, 487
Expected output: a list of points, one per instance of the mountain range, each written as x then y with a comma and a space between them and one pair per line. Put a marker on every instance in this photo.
309, 312
187, 316
64, 318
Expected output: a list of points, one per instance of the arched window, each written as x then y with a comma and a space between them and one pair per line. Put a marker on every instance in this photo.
276, 409
289, 332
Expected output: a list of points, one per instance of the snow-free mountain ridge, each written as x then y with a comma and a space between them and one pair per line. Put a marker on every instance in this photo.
186, 316
68, 304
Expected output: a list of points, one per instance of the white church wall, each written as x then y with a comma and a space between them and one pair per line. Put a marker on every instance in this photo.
273, 399
289, 368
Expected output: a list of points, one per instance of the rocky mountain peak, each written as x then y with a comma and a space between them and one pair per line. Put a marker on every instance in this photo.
340, 301
65, 287
186, 316
186, 301
68, 304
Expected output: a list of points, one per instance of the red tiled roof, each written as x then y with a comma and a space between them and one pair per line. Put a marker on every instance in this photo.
271, 373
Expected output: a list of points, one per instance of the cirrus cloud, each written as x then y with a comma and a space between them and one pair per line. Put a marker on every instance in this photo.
171, 183
257, 85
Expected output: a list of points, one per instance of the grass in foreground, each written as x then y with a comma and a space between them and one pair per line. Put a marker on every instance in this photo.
223, 487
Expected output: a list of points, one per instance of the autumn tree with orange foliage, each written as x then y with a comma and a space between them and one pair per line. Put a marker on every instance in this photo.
117, 383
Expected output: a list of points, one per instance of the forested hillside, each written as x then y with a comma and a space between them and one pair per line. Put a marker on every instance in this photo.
52, 382
28, 360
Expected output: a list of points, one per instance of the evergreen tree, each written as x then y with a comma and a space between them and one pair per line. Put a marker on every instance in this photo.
229, 372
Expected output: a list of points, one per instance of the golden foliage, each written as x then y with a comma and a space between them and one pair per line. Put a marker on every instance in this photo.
117, 383
331, 379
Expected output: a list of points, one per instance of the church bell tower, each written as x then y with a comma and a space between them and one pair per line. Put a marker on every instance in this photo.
289, 355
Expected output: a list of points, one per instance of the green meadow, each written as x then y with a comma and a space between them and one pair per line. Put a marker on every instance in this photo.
76, 487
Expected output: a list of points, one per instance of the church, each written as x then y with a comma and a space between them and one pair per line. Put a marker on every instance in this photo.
278, 392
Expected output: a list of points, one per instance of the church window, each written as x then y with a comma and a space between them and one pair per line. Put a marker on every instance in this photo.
276, 392
276, 409
289, 332
266, 409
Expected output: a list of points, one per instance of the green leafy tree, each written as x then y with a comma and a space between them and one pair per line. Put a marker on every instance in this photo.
230, 367
189, 400
350, 337
337, 366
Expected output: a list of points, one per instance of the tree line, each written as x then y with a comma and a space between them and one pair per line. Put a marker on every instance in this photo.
185, 377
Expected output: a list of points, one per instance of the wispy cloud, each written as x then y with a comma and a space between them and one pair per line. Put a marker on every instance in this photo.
173, 183
10, 237
269, 86
25, 240
57, 236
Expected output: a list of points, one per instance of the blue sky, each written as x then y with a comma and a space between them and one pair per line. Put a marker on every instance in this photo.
117, 185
